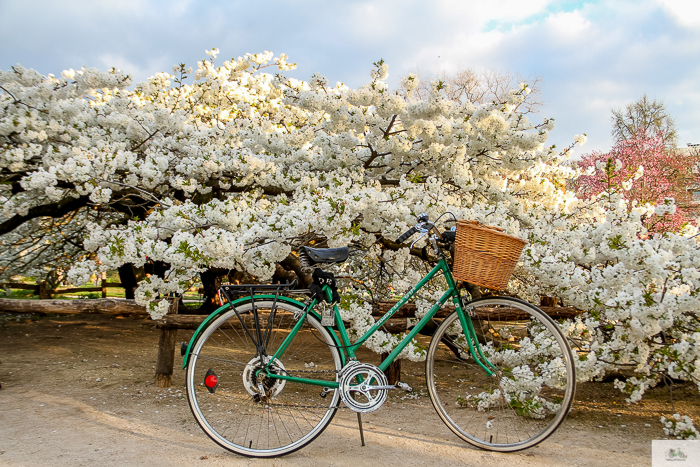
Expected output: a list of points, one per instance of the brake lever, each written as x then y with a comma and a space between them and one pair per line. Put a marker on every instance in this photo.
426, 227
418, 239
423, 230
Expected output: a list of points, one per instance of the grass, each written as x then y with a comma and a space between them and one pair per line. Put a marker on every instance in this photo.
112, 292
14, 293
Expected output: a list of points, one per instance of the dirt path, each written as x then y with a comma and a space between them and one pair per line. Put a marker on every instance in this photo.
78, 390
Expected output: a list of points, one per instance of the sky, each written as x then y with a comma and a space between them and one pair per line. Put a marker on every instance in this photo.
592, 56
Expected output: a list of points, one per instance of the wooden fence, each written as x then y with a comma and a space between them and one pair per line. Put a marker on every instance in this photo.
43, 291
173, 321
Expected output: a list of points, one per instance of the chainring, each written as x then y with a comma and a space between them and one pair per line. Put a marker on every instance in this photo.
353, 382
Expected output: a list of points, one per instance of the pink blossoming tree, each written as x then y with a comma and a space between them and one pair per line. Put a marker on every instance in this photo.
648, 173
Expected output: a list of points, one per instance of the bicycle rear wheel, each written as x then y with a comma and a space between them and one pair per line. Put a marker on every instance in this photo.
532, 387
233, 414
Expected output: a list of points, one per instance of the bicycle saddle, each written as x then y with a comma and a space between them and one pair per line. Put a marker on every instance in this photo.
326, 255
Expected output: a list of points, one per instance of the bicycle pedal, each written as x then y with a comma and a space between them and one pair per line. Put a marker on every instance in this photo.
404, 387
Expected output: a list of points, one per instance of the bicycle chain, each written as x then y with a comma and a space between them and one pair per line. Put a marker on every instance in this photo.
271, 404
245, 364
312, 371
304, 406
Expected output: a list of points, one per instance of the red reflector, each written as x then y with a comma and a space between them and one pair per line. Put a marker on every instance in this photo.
210, 381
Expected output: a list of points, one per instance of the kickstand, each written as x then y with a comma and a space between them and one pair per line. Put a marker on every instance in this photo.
362, 433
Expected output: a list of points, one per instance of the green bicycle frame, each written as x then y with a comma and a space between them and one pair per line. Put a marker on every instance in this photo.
347, 347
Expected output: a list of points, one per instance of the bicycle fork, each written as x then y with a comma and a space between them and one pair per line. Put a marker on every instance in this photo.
470, 335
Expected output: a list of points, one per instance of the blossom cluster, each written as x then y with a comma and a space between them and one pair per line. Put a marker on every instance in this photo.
680, 427
227, 166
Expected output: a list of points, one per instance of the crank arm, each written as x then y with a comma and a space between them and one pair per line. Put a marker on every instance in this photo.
366, 387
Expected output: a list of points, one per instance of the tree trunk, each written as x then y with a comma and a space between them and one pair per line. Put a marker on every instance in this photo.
239, 277
474, 290
393, 371
157, 268
283, 276
128, 278
292, 262
211, 281
52, 280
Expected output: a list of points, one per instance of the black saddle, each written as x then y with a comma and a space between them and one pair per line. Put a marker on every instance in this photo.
326, 255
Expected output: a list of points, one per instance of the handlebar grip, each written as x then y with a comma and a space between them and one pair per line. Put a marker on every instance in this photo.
406, 234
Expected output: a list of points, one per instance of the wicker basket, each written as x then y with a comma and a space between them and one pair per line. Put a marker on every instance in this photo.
484, 255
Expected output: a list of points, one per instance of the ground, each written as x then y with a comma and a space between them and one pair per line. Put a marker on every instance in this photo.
78, 390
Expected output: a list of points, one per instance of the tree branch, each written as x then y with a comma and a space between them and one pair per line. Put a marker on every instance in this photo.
292, 262
55, 210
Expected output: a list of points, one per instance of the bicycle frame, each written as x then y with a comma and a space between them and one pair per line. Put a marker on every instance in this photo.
349, 349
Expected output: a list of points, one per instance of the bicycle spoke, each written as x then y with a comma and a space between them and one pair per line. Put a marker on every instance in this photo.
288, 414
526, 399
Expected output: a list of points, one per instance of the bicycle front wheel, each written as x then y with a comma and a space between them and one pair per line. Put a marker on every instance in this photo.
533, 381
232, 413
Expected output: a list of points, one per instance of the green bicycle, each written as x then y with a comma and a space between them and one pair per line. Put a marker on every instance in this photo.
266, 372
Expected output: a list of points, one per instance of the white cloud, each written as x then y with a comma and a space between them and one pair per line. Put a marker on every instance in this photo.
591, 55
569, 25
485, 11
143, 71
685, 12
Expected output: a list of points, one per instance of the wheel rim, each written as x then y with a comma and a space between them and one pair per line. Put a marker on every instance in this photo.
534, 383
293, 414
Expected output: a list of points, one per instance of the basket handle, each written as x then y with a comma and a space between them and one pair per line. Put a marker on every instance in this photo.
479, 224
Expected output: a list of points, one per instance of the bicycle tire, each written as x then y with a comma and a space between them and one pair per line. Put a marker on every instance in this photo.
534, 382
233, 415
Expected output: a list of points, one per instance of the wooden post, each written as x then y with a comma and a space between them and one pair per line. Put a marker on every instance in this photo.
43, 290
104, 288
166, 350
393, 372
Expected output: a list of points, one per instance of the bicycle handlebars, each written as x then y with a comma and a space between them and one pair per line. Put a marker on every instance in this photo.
407, 234
424, 225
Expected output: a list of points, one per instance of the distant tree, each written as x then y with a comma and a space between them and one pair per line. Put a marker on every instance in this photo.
646, 115
663, 174
485, 87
